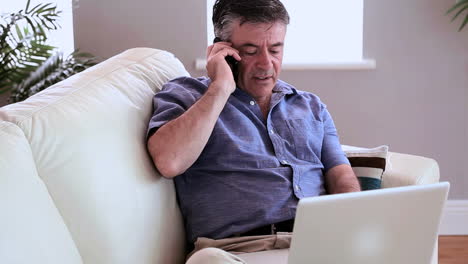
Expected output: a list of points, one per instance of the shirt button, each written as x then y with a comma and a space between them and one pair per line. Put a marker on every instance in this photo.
252, 102
284, 162
272, 132
296, 187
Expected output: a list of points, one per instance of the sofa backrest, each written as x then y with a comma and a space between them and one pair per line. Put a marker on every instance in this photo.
76, 182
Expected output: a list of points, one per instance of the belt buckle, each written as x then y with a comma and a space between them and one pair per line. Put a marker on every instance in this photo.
273, 229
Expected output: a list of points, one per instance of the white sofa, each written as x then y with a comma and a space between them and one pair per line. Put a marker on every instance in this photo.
76, 182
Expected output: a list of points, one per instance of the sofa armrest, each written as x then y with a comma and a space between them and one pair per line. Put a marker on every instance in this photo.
405, 169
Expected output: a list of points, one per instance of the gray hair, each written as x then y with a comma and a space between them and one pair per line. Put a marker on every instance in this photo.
226, 12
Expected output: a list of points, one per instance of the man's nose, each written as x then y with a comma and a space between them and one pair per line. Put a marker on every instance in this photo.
264, 60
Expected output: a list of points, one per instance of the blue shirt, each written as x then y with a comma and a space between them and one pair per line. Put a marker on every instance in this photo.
252, 171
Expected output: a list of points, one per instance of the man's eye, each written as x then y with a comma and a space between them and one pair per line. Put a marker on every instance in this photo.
249, 52
274, 51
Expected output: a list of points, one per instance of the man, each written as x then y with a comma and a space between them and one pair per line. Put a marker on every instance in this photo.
244, 147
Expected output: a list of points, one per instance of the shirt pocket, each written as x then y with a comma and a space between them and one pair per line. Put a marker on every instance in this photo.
307, 136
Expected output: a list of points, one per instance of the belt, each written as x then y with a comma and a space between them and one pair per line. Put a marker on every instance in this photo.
271, 229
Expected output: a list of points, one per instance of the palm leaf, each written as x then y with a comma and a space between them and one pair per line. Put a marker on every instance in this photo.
463, 8
24, 89
33, 9
54, 70
464, 23
27, 64
22, 52
457, 5
460, 7
27, 5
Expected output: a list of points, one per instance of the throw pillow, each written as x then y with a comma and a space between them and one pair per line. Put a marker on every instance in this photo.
368, 164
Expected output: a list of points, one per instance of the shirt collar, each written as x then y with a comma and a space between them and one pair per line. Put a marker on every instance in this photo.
282, 87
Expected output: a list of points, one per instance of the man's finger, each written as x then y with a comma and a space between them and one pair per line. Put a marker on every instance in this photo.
224, 51
208, 50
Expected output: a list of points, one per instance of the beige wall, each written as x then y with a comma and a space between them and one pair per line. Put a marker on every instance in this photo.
416, 101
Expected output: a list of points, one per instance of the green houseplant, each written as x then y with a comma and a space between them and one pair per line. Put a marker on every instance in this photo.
27, 63
460, 8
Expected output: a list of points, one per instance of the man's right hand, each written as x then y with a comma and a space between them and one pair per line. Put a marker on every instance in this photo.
218, 69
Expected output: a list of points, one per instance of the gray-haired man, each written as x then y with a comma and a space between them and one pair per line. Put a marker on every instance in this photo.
243, 145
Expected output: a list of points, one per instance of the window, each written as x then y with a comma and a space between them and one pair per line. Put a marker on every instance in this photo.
62, 37
321, 34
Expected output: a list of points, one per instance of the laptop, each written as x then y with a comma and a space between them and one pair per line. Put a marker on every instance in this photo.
386, 226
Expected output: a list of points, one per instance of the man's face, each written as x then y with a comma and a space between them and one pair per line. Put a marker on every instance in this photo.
261, 49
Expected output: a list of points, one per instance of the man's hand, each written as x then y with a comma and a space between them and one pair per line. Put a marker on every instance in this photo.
341, 179
218, 69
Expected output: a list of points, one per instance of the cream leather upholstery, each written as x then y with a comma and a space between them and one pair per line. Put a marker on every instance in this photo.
76, 182
32, 228
78, 185
405, 169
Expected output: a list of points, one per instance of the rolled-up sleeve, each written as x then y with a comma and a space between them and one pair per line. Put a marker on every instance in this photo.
171, 102
332, 154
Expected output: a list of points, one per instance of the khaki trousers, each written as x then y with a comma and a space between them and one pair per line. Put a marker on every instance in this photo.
272, 249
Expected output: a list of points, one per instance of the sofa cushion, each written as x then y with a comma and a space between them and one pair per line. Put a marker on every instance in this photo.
368, 164
87, 139
32, 230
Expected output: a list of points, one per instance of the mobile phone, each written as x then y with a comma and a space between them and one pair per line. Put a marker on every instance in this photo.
231, 62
